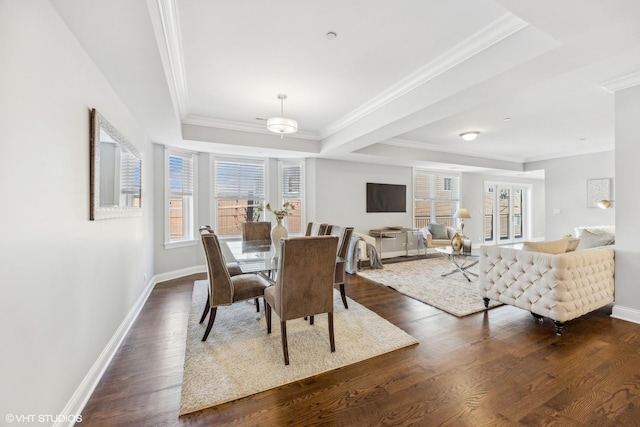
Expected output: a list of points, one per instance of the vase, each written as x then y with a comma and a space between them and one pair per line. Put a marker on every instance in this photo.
456, 243
278, 232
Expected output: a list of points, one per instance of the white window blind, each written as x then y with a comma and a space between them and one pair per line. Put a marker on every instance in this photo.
291, 189
180, 190
239, 188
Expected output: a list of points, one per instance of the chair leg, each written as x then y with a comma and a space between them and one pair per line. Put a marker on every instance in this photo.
285, 347
332, 340
257, 305
268, 309
207, 306
311, 320
212, 317
344, 296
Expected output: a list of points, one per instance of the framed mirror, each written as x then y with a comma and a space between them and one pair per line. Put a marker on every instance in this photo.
115, 172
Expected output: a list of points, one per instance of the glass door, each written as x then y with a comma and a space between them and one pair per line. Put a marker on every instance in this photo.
503, 213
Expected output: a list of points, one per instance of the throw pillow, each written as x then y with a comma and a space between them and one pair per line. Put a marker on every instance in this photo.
590, 240
438, 231
553, 247
573, 244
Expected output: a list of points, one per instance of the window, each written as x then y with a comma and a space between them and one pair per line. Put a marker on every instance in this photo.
505, 212
180, 190
291, 181
436, 197
239, 188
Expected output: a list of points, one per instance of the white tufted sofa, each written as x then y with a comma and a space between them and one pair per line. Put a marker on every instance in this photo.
560, 287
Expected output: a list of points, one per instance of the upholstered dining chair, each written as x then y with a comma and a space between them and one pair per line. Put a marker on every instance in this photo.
316, 229
260, 230
304, 286
224, 289
344, 237
233, 267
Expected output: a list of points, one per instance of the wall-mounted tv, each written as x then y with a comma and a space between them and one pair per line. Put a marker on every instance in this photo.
386, 197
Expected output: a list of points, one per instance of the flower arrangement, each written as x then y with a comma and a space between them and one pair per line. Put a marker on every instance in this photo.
280, 213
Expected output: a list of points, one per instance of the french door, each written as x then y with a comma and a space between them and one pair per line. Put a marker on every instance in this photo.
505, 212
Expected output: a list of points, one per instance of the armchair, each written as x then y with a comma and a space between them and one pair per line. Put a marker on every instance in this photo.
435, 235
304, 286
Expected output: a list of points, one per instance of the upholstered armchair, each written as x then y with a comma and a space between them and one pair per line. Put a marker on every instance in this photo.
435, 235
260, 230
344, 238
224, 289
304, 286
316, 229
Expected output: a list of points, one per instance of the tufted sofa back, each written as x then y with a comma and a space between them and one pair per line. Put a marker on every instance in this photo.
560, 287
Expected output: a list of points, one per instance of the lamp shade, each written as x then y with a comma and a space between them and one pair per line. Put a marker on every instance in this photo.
282, 125
462, 213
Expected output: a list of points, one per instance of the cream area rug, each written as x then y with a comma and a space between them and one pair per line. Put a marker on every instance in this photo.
240, 359
422, 280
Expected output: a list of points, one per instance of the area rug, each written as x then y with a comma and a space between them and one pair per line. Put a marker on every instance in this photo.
422, 280
240, 359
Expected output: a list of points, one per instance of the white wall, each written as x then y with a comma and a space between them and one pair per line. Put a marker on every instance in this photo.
566, 191
66, 283
627, 203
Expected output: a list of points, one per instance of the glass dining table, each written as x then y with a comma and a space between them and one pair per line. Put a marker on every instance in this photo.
252, 256
256, 256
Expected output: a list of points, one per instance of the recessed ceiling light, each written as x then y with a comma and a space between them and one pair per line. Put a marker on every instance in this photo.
331, 35
583, 139
469, 136
506, 119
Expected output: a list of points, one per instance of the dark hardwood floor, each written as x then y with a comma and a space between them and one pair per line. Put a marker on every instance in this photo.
497, 368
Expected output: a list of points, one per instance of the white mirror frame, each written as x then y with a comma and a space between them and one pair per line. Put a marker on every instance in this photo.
97, 212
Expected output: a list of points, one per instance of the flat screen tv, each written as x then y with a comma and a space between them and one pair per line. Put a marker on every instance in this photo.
386, 197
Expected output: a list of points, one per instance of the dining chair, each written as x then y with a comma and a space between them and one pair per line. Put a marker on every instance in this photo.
224, 289
233, 267
304, 286
260, 230
344, 237
316, 229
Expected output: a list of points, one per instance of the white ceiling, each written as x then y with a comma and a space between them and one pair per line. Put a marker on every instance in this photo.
398, 84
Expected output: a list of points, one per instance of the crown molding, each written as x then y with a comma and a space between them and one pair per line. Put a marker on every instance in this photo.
493, 33
173, 46
241, 126
621, 83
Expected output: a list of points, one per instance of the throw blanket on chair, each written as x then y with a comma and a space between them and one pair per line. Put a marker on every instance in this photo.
353, 256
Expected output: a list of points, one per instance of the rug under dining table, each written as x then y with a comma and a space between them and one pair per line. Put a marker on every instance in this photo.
240, 359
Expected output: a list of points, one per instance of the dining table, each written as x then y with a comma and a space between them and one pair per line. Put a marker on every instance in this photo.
256, 256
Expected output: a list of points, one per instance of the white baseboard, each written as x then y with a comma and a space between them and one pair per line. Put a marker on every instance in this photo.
82, 394
162, 277
626, 313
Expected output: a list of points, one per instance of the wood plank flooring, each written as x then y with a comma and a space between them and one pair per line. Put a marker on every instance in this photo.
497, 368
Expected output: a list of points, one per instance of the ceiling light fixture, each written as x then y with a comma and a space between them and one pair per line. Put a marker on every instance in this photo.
282, 124
469, 136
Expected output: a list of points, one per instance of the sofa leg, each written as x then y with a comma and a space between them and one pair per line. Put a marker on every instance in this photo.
559, 326
486, 302
538, 317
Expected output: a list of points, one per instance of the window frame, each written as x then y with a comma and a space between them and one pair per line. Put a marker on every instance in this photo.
282, 198
214, 198
191, 208
451, 182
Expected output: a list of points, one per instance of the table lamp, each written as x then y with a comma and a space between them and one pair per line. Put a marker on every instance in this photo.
462, 213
